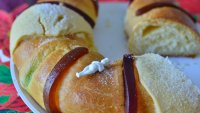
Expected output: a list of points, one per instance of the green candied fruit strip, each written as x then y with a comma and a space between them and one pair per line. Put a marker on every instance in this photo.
29, 74
196, 17
35, 61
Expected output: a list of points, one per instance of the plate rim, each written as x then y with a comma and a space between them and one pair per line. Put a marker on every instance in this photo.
21, 92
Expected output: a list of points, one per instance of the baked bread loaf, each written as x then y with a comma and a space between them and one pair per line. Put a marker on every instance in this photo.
159, 26
41, 36
51, 42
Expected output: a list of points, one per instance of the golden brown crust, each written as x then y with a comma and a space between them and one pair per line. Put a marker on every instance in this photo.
173, 15
27, 47
98, 92
168, 13
137, 4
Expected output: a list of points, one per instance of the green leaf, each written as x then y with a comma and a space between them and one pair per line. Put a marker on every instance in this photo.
196, 17
4, 99
5, 76
9, 111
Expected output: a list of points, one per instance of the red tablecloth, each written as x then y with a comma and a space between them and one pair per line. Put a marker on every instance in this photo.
9, 100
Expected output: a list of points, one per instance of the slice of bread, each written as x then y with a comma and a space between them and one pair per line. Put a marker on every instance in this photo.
163, 30
170, 89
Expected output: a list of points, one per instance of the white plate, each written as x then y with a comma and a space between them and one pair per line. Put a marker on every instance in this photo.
111, 42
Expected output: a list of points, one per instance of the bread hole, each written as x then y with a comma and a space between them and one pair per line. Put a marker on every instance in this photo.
149, 29
59, 18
